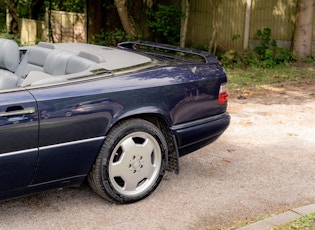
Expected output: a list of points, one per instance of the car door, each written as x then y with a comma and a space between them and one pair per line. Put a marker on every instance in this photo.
72, 129
18, 139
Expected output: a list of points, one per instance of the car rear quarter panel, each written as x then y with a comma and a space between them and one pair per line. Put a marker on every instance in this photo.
179, 94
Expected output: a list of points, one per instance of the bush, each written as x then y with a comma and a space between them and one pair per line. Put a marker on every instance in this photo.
266, 55
165, 24
111, 38
12, 37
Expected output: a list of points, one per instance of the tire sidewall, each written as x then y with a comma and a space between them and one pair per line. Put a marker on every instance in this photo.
110, 144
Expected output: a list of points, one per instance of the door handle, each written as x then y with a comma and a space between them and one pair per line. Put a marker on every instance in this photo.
17, 112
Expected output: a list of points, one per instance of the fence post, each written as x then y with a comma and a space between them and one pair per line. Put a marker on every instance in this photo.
247, 23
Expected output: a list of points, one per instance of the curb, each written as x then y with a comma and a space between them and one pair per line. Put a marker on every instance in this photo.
281, 218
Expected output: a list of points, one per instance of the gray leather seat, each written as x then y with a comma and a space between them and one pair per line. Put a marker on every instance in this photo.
56, 62
33, 60
61, 62
58, 66
77, 64
9, 60
41, 64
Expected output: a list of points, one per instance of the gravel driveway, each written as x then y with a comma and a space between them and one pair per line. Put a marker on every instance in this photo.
263, 164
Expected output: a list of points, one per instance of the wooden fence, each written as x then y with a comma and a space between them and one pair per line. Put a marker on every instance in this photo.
222, 20
234, 23
65, 27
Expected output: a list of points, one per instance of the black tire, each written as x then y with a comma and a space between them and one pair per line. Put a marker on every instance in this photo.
131, 162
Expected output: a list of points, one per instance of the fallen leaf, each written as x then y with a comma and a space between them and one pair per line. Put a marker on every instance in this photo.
292, 134
227, 159
230, 150
241, 97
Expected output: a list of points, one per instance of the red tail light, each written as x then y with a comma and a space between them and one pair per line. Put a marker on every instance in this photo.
223, 94
78, 106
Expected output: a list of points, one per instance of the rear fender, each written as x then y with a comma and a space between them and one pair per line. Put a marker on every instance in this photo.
148, 111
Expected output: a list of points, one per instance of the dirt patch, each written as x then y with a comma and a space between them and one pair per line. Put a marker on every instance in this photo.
284, 93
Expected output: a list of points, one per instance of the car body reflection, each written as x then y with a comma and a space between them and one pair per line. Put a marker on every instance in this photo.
86, 107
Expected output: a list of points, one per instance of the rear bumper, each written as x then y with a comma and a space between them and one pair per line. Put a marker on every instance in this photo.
197, 134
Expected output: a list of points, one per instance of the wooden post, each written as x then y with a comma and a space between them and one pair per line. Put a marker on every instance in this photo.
247, 23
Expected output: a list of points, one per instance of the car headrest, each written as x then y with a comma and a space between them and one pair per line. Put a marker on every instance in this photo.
9, 54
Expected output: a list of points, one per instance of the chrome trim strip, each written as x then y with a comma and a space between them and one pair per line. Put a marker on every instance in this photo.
202, 121
51, 146
18, 152
71, 143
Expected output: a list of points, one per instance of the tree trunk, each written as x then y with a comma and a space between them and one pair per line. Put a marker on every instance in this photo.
12, 17
96, 18
126, 21
213, 40
37, 6
303, 31
186, 4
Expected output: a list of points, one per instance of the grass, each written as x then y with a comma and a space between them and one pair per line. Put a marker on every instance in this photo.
303, 223
247, 222
252, 78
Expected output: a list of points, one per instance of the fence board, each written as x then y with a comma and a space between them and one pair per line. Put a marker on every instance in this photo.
28, 31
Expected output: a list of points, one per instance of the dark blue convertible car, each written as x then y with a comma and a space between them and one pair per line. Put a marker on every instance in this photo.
118, 117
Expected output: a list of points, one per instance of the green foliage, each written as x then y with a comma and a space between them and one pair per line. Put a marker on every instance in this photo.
77, 6
165, 23
2, 17
302, 223
235, 37
25, 7
111, 38
310, 59
265, 42
266, 55
11, 36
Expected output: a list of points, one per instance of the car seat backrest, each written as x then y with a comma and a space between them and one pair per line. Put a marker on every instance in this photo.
9, 60
56, 62
9, 55
33, 60
77, 64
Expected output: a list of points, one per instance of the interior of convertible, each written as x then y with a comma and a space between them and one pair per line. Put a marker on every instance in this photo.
48, 63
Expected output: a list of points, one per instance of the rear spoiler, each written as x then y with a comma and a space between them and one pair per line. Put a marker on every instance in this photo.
162, 50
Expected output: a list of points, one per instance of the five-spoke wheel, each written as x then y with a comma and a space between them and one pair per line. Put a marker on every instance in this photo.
131, 162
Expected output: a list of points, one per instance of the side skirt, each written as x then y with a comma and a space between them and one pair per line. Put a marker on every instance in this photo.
36, 188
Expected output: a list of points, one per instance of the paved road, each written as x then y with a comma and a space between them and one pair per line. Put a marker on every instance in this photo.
264, 164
